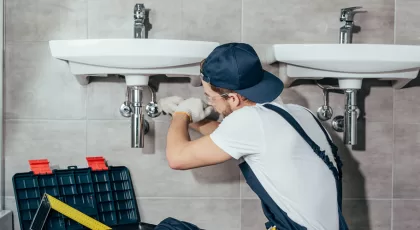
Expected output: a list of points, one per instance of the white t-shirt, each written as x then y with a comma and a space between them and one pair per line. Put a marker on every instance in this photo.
298, 181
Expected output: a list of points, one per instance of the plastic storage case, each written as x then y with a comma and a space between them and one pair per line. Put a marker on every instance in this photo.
106, 195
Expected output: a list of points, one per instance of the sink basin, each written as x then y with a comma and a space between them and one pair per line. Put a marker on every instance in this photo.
349, 63
136, 59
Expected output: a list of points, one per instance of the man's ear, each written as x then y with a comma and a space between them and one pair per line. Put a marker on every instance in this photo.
235, 99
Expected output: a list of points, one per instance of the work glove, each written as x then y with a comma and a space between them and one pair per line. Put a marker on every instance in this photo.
169, 104
195, 108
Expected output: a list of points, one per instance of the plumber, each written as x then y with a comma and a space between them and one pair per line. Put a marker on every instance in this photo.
285, 154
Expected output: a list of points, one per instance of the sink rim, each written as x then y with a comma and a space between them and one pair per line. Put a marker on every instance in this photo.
128, 53
349, 58
389, 52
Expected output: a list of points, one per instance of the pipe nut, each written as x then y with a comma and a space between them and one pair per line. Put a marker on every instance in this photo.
125, 110
338, 123
152, 109
325, 112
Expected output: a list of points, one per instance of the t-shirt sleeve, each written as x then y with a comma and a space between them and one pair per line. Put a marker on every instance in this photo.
240, 134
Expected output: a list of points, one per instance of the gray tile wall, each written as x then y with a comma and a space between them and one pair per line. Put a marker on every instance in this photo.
48, 114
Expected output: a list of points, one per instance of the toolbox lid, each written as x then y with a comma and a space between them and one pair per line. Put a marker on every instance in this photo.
106, 194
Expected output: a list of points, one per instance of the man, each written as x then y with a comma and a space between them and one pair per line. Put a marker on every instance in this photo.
286, 156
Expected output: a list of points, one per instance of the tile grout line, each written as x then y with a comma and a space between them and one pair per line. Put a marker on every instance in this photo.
240, 199
242, 20
395, 23
86, 123
86, 88
44, 119
87, 19
393, 126
249, 198
362, 199
75, 119
182, 19
393, 159
27, 42
118, 119
187, 198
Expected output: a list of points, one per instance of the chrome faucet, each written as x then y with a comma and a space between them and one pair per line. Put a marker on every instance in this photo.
132, 107
348, 122
139, 21
347, 30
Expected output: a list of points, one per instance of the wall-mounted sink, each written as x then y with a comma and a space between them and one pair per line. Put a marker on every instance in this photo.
136, 59
349, 63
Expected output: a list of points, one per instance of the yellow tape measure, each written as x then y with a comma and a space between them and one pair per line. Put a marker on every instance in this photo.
68, 211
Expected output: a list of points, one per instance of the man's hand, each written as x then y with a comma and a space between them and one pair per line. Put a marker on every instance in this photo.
169, 104
195, 108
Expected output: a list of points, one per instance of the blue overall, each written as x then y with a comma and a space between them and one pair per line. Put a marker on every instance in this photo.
275, 215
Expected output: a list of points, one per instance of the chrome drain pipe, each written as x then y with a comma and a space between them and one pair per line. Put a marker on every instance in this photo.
351, 113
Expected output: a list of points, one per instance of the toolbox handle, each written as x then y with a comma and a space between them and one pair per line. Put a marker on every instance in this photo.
72, 167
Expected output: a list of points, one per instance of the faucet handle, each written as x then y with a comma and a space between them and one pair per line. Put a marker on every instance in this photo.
139, 11
352, 8
347, 14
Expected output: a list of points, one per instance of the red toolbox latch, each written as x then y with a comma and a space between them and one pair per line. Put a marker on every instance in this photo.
97, 163
41, 166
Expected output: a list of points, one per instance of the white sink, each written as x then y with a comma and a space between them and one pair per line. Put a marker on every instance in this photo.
136, 59
349, 63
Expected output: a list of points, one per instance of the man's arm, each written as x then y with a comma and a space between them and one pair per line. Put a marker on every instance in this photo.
182, 153
205, 127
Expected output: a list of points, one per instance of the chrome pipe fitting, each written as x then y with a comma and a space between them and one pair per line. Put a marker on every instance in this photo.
132, 107
152, 107
351, 113
137, 117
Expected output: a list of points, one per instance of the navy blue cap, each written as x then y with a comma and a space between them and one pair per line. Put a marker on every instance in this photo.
236, 66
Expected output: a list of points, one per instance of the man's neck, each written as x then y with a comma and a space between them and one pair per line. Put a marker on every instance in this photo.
246, 103
249, 103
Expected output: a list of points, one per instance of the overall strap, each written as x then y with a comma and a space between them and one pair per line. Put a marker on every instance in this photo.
337, 159
275, 215
308, 140
334, 148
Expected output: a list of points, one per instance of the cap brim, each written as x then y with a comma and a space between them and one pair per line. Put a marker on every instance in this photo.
267, 90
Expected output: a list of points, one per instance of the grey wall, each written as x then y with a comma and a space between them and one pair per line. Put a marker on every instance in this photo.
49, 115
